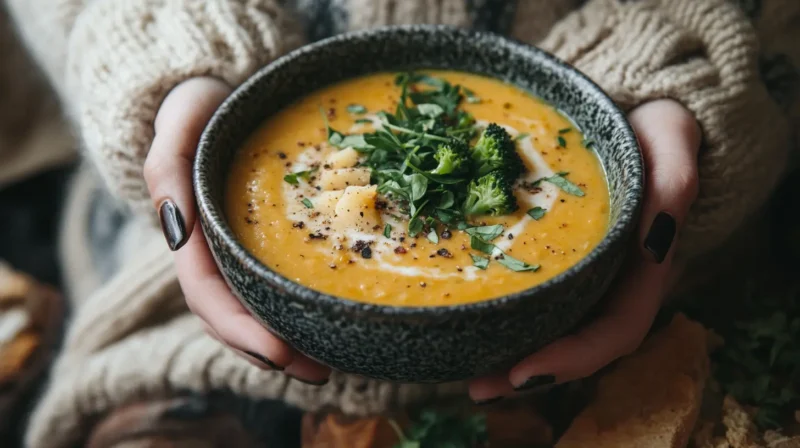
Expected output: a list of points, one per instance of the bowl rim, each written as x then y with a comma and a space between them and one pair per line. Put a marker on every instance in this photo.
216, 219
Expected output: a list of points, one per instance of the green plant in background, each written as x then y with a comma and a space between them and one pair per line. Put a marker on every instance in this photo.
760, 365
437, 429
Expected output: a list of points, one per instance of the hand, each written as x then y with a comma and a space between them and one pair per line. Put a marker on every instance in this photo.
168, 173
670, 139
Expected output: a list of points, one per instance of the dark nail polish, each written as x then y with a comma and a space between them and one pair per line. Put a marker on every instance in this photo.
310, 383
536, 381
265, 360
488, 401
172, 224
659, 238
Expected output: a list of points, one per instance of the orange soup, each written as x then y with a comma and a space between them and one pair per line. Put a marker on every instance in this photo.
307, 197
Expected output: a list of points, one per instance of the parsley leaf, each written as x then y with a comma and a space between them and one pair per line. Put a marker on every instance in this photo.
356, 109
480, 245
565, 131
354, 141
419, 185
486, 233
430, 110
307, 203
415, 226
562, 142
387, 231
560, 181
516, 265
480, 262
471, 97
433, 237
537, 213
293, 177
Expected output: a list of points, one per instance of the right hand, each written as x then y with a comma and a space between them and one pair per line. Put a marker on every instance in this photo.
168, 172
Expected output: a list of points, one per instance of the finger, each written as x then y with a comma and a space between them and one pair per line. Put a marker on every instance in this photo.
670, 139
308, 371
250, 359
490, 389
618, 331
168, 168
208, 296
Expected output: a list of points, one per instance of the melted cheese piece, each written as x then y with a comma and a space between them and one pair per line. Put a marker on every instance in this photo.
325, 251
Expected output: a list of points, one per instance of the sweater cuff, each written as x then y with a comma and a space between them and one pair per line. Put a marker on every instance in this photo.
126, 55
703, 54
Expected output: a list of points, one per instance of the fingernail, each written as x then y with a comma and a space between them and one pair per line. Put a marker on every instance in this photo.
536, 381
310, 383
265, 360
172, 224
488, 401
659, 238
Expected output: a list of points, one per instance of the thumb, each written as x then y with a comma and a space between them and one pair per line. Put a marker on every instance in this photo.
670, 139
168, 168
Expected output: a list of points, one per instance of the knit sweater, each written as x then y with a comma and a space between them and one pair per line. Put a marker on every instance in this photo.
112, 62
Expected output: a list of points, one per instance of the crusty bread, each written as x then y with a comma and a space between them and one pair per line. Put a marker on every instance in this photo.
650, 399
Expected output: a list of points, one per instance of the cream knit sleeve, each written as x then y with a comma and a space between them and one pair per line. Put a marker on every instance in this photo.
703, 53
114, 61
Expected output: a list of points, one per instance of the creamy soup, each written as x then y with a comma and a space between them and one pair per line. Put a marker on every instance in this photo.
311, 210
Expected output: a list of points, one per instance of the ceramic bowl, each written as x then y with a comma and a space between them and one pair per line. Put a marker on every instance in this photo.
421, 344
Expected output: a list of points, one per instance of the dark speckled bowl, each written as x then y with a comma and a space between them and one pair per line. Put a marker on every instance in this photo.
425, 344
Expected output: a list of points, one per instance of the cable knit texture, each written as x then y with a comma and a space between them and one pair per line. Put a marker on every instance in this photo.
123, 57
703, 54
113, 61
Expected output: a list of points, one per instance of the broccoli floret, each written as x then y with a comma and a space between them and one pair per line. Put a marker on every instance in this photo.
495, 150
491, 194
453, 157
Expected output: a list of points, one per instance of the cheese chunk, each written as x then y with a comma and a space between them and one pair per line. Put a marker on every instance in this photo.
356, 210
346, 158
326, 202
342, 178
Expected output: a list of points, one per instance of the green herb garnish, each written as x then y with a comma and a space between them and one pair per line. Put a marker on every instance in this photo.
293, 178
430, 159
537, 213
588, 143
387, 230
437, 429
516, 265
479, 262
486, 233
562, 142
560, 181
421, 158
307, 203
565, 131
356, 109
480, 245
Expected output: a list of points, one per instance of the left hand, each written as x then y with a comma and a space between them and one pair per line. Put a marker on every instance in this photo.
670, 140
168, 172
